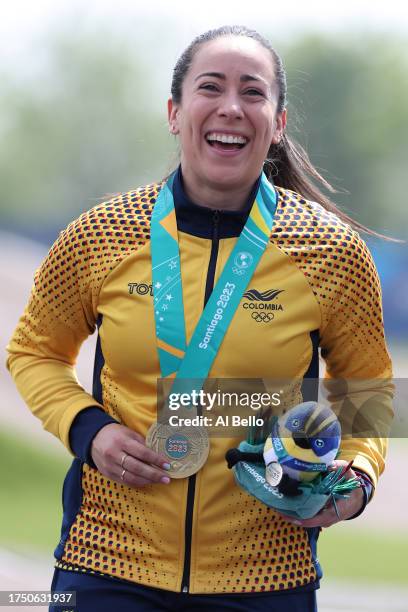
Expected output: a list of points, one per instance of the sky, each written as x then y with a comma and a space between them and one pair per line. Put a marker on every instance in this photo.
163, 29
21, 21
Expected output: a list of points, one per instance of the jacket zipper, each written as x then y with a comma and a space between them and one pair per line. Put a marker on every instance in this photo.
209, 286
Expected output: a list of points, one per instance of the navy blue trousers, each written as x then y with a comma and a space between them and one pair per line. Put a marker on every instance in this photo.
99, 594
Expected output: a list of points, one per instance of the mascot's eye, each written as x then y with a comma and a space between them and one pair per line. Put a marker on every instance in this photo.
295, 422
319, 443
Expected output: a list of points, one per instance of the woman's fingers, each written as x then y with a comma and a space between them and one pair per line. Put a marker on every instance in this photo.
136, 468
122, 455
346, 508
136, 447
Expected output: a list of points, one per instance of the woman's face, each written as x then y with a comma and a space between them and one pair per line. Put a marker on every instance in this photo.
227, 118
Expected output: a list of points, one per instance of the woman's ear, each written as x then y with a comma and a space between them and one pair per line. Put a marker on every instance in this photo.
172, 114
280, 127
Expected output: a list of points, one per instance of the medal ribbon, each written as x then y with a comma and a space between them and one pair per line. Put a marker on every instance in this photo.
195, 361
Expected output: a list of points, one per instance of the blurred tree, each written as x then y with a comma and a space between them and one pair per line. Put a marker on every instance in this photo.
85, 125
349, 108
82, 128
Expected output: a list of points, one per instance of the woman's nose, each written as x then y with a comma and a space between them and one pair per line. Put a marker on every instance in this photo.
230, 107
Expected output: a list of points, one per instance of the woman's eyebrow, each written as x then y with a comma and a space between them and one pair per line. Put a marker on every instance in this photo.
217, 75
244, 78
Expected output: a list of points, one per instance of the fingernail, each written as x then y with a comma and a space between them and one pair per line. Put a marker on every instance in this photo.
165, 480
297, 523
166, 466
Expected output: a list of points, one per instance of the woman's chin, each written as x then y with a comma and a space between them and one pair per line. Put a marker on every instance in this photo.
229, 178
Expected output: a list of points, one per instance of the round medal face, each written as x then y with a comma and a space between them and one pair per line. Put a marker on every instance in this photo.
273, 473
186, 448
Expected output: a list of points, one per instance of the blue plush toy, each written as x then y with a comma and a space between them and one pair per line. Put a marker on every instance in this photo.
288, 469
303, 443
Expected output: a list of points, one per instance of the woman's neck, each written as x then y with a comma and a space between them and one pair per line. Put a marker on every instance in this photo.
214, 197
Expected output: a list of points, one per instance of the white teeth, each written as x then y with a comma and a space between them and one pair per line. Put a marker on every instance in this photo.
226, 138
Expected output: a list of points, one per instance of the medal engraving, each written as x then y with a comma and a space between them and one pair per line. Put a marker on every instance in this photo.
273, 473
186, 448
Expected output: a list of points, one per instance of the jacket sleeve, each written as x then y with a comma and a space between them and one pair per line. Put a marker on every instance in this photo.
358, 366
60, 314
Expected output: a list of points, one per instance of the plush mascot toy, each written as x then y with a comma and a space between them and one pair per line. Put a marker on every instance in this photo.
303, 443
290, 470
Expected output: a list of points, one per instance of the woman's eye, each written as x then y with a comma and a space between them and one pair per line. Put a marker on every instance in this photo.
253, 92
209, 87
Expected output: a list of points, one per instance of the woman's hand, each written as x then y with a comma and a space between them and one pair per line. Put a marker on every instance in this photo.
122, 455
345, 507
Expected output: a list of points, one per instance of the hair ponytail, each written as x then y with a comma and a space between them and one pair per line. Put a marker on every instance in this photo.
288, 166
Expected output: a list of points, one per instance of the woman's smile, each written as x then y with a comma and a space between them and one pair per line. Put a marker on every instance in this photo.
226, 143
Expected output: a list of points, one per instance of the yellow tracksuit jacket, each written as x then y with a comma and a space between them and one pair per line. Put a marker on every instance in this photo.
201, 534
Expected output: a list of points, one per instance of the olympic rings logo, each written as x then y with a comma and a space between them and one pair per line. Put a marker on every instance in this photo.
238, 271
262, 317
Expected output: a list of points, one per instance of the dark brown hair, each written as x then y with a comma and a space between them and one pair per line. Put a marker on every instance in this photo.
287, 163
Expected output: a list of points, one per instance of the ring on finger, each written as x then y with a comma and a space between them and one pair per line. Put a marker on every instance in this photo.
122, 476
123, 460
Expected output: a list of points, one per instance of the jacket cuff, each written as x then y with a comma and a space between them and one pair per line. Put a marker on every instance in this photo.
84, 428
368, 490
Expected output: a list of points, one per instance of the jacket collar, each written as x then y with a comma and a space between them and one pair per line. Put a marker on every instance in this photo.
199, 220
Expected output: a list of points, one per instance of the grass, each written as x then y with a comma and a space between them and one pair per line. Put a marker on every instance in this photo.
346, 553
31, 485
31, 488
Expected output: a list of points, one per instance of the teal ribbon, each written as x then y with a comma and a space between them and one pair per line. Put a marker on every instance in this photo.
195, 361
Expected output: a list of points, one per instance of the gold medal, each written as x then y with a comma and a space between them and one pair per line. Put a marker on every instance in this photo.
187, 448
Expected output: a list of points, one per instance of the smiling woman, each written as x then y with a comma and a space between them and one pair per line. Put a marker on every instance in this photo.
153, 519
227, 117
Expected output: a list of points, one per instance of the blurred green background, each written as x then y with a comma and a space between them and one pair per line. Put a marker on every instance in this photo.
90, 123
83, 114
